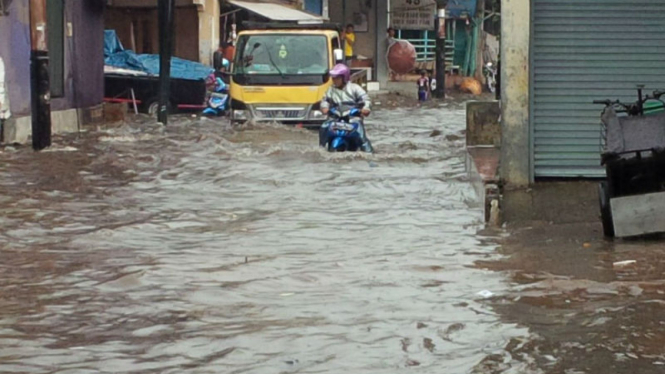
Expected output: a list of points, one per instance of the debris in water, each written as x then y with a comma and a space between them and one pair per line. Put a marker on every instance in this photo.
406, 342
624, 263
435, 133
291, 362
485, 294
420, 325
412, 363
586, 245
427, 343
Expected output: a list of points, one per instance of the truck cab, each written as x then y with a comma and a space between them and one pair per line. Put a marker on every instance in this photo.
280, 72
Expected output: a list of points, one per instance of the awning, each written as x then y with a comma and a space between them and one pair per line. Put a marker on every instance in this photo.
148, 3
276, 12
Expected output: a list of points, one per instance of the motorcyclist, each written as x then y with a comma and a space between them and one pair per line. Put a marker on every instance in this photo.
344, 95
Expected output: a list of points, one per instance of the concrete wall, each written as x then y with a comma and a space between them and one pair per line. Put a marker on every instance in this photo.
515, 38
209, 30
482, 123
381, 26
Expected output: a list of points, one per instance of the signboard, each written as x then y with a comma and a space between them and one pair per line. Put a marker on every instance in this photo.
402, 4
412, 14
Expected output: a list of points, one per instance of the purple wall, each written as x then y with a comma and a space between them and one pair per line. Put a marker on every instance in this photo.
84, 56
15, 52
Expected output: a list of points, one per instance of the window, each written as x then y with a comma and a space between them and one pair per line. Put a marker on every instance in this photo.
314, 6
55, 25
335, 43
282, 54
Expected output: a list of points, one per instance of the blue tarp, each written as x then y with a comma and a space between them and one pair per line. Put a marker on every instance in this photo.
461, 8
115, 55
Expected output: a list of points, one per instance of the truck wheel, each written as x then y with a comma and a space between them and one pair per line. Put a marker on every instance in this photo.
605, 210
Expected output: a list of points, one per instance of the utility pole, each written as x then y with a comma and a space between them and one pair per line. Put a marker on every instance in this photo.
165, 14
440, 26
40, 87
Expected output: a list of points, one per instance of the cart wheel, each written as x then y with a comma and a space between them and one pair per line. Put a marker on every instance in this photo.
153, 107
605, 210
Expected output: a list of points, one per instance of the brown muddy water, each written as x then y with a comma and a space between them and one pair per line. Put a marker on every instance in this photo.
591, 305
201, 248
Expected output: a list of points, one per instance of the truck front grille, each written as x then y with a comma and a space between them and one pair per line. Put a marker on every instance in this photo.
278, 113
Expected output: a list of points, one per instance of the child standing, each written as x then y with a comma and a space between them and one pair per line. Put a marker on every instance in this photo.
423, 86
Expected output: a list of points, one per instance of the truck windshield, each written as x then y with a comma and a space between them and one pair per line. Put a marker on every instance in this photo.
282, 54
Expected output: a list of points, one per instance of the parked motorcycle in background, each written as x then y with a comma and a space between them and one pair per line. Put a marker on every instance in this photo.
217, 102
490, 72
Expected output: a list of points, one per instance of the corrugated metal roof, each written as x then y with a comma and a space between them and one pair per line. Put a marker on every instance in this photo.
276, 12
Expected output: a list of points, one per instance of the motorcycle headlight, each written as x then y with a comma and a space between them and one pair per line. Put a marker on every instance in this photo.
239, 114
316, 114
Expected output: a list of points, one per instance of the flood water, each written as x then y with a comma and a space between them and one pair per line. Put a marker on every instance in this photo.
201, 248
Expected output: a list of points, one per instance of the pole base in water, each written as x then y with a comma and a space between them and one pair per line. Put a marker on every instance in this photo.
41, 100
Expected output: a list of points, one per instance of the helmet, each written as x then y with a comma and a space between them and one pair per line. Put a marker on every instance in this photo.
341, 70
211, 79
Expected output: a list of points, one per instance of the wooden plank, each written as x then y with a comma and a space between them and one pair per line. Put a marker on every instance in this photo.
638, 215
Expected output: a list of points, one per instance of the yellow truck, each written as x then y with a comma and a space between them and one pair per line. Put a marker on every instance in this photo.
280, 72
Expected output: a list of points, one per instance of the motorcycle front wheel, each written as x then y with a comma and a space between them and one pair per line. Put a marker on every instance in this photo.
491, 83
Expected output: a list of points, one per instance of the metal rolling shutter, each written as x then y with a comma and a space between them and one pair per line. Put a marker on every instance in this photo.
583, 50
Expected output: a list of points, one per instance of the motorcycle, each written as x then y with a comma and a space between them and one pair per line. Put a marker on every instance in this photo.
341, 132
490, 76
218, 99
217, 104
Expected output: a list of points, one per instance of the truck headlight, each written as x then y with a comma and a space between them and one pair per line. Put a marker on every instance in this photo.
239, 114
316, 114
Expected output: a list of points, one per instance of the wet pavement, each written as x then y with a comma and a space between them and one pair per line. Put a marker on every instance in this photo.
203, 248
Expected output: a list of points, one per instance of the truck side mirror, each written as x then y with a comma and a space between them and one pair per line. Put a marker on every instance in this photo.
339, 55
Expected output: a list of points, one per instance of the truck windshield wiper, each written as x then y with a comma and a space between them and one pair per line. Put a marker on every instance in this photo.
273, 62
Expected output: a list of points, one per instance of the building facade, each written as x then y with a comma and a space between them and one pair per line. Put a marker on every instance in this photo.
556, 59
197, 27
75, 32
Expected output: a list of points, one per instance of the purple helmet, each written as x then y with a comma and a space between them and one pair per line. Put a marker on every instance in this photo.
341, 70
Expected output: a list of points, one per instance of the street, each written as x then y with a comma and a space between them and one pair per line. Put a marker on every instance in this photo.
206, 248
199, 248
